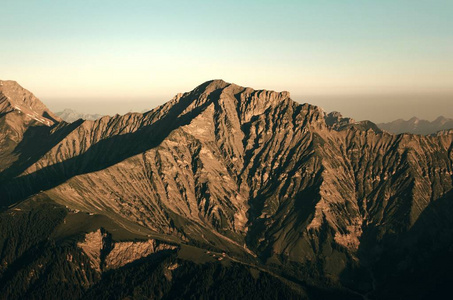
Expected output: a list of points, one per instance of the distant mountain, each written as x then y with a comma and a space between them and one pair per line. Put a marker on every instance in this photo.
223, 192
417, 126
336, 121
70, 115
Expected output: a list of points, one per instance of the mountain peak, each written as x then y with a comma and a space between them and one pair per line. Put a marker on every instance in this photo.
220, 84
211, 85
13, 97
440, 119
8, 82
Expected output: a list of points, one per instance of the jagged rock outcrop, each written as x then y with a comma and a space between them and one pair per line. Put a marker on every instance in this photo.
106, 254
251, 172
337, 122
95, 245
123, 253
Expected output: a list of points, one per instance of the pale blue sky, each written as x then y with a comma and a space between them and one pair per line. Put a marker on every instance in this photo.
89, 52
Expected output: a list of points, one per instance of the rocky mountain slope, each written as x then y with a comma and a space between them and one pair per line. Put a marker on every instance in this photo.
324, 205
417, 126
70, 115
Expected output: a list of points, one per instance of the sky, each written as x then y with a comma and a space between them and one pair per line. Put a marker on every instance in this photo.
378, 60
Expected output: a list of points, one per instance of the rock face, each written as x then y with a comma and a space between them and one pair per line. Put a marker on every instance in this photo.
94, 246
106, 254
322, 197
417, 126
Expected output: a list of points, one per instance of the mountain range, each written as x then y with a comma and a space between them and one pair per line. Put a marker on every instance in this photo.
222, 192
417, 126
70, 115
413, 125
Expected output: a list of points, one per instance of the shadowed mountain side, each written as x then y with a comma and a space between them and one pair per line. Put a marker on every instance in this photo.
420, 257
36, 141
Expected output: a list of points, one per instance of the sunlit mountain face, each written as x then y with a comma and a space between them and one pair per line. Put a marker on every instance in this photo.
222, 192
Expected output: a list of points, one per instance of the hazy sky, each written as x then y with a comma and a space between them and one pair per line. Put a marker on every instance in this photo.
377, 60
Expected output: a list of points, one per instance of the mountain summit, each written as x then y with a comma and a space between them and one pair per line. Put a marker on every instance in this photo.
237, 178
15, 97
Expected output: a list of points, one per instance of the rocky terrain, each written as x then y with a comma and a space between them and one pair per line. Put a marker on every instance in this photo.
417, 126
226, 180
